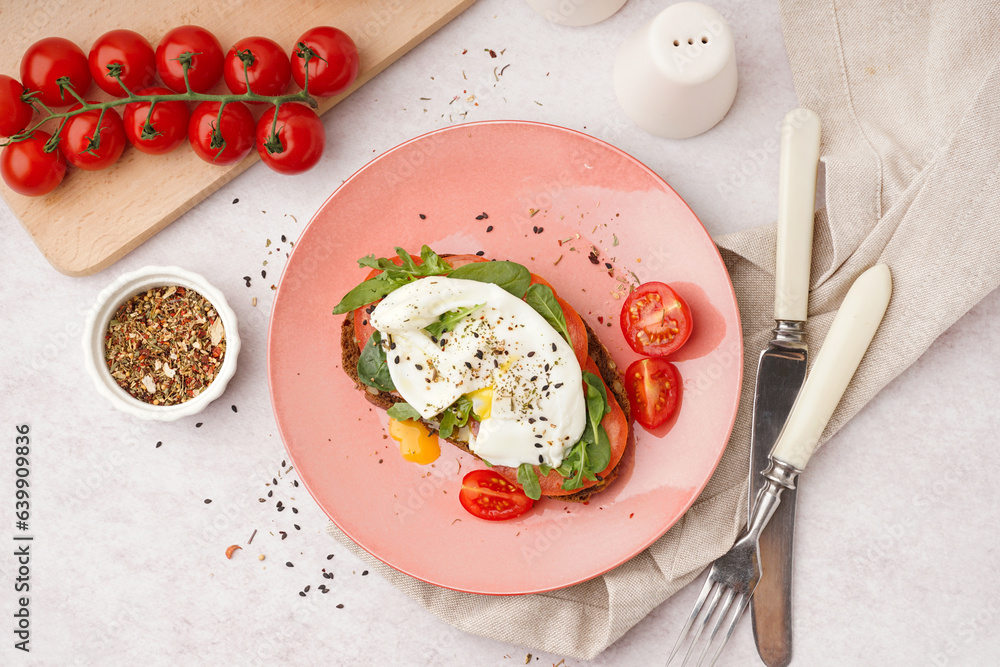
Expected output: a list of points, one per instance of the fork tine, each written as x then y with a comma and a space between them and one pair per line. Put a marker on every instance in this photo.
705, 590
720, 614
744, 600
701, 626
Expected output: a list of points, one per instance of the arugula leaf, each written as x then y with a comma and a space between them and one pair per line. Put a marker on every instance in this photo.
592, 453
528, 480
372, 367
449, 320
543, 300
403, 411
367, 292
393, 277
511, 276
456, 416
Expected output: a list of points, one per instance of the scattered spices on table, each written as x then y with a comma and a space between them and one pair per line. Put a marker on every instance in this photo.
208, 501
198, 425
423, 217
247, 279
159, 443
340, 606
165, 345
289, 564
236, 201
252, 536
231, 550
263, 273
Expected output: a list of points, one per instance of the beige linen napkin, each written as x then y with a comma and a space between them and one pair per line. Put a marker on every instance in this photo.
909, 96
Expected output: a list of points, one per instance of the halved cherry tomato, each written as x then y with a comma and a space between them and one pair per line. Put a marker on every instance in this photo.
655, 320
616, 426
653, 388
487, 495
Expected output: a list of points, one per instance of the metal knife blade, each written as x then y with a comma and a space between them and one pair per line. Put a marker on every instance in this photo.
781, 372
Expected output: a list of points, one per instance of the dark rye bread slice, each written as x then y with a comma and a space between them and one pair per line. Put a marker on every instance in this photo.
602, 358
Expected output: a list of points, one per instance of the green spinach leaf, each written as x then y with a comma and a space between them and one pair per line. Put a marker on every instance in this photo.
449, 320
543, 300
372, 367
403, 411
511, 276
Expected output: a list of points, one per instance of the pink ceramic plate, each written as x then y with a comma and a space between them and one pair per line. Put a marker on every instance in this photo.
546, 197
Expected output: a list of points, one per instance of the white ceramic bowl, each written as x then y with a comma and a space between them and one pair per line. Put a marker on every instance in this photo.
576, 12
120, 291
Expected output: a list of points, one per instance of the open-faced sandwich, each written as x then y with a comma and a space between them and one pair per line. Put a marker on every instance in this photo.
486, 355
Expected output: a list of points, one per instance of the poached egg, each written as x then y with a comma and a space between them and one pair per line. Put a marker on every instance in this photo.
523, 378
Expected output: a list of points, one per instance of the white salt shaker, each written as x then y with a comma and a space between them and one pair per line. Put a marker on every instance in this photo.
676, 75
576, 12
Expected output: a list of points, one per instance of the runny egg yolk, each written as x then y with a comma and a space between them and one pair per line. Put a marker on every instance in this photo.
482, 402
416, 443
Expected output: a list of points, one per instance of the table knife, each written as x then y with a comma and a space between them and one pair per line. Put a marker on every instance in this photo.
781, 371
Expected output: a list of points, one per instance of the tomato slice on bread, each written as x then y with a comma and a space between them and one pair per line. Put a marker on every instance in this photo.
655, 320
487, 495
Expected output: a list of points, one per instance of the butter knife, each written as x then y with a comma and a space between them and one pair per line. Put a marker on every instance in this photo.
781, 372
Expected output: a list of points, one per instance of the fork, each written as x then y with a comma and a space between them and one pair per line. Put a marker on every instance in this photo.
735, 574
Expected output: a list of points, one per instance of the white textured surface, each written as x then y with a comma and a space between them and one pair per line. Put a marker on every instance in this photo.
897, 531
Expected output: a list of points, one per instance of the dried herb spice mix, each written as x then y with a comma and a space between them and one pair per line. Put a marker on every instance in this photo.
164, 346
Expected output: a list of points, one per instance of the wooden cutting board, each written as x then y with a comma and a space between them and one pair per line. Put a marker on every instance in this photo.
94, 218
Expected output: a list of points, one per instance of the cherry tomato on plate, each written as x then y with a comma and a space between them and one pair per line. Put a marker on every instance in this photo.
653, 387
206, 59
49, 59
334, 67
267, 67
168, 124
655, 320
221, 142
28, 170
489, 496
89, 147
15, 113
132, 52
295, 143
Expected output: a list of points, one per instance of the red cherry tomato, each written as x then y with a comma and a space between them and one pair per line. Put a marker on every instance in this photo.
88, 147
221, 142
132, 52
653, 387
333, 68
15, 113
295, 143
654, 320
28, 170
168, 123
49, 59
206, 59
267, 68
489, 496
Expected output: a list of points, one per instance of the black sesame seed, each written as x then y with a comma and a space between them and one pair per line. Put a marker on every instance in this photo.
538, 444
208, 501
531, 420
468, 365
396, 360
608, 265
297, 526
247, 278
558, 384
289, 564
198, 425
479, 354
295, 482
539, 435
423, 217
270, 494
531, 354
545, 388
274, 480
546, 368
533, 378
544, 419
489, 229
283, 239
365, 573
496, 364
340, 606
330, 557
418, 367
159, 443
480, 253
392, 345
283, 534
302, 593
234, 409
236, 201
553, 347
535, 229
541, 459
294, 511
263, 273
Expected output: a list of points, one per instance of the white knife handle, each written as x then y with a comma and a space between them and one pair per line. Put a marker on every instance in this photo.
850, 334
796, 208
